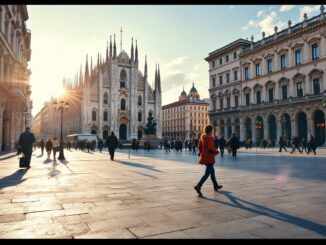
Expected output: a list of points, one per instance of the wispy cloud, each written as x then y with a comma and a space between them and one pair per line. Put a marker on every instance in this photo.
265, 22
285, 8
260, 13
175, 62
309, 10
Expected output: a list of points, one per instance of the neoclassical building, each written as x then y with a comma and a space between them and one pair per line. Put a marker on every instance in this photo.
15, 53
281, 84
112, 96
185, 117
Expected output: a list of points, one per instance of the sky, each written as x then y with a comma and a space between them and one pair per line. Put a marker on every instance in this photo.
178, 37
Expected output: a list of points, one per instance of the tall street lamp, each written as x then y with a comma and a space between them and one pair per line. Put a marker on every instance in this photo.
61, 105
284, 125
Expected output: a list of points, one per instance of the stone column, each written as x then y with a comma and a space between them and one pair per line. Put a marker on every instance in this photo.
253, 130
276, 62
323, 45
294, 125
306, 54
310, 126
277, 92
278, 128
266, 126
290, 58
242, 129
1, 121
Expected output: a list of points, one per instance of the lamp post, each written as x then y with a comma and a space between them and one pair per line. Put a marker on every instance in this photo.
61, 105
258, 127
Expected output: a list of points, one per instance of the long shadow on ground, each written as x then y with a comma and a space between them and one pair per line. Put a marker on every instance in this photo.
13, 179
261, 210
138, 165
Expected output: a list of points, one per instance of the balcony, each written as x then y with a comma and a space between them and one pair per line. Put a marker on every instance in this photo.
123, 113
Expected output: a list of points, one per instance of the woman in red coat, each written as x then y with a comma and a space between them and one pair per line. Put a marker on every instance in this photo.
207, 151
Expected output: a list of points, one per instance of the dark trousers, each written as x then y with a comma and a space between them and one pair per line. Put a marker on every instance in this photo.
42, 149
282, 147
311, 148
234, 152
222, 151
28, 156
111, 151
209, 172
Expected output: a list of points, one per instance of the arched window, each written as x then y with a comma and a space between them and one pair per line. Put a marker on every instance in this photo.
123, 104
139, 117
139, 100
105, 98
93, 115
105, 116
123, 77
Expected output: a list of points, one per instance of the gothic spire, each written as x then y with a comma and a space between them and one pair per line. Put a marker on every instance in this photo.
136, 53
86, 71
91, 66
80, 76
132, 49
110, 45
98, 59
114, 48
107, 51
158, 79
145, 70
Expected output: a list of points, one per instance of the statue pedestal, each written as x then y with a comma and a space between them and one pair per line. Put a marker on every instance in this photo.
152, 139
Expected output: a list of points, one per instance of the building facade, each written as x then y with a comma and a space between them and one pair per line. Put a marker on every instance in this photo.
186, 117
15, 53
281, 88
112, 96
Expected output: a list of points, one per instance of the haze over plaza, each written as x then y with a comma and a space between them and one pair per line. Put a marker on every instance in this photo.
178, 37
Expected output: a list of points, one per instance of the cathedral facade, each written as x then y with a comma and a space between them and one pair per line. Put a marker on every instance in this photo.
114, 96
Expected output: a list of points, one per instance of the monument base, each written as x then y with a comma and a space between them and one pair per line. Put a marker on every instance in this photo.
150, 140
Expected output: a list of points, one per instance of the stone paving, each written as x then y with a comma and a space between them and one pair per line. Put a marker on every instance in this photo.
265, 195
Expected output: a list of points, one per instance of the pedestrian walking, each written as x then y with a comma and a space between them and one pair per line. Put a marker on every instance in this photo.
48, 147
304, 144
26, 141
112, 144
55, 148
235, 144
282, 143
295, 144
100, 145
207, 151
312, 145
222, 144
42, 143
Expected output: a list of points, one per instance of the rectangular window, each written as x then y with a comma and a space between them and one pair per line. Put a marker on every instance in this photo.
227, 77
228, 102
257, 69
283, 61
299, 89
220, 61
213, 63
213, 82
284, 92
236, 101
221, 80
234, 55
316, 86
227, 58
235, 73
258, 97
271, 94
298, 57
247, 73
221, 103
314, 50
247, 99
270, 66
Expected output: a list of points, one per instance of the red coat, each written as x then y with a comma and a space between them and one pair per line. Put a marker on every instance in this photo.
207, 150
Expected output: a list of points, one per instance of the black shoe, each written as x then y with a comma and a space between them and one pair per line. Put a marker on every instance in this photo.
198, 190
218, 187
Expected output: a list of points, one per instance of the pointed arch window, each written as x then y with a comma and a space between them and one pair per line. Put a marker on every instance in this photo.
139, 100
105, 98
105, 116
123, 105
123, 78
139, 117
93, 115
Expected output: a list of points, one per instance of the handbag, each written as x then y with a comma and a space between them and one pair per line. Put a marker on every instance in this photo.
22, 161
